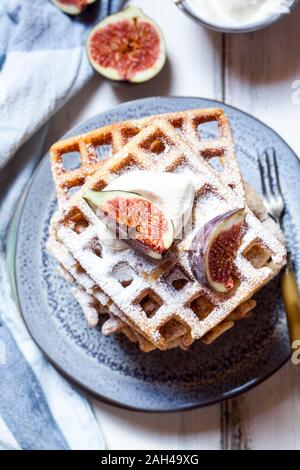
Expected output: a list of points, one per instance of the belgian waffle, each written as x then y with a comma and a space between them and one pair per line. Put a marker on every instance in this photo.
193, 308
85, 152
119, 134
95, 304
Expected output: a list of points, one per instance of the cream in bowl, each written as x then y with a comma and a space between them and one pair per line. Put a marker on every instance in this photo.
236, 15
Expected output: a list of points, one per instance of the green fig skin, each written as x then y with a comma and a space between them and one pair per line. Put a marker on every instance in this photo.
98, 200
109, 67
72, 8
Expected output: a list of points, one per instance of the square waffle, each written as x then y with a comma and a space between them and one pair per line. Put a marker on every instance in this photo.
74, 160
194, 308
95, 303
188, 123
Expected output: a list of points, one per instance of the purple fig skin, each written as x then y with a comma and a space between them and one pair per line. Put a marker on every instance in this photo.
201, 243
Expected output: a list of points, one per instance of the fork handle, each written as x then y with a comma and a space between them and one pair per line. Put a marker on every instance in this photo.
291, 299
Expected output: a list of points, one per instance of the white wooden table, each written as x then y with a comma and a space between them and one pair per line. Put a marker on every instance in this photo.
254, 72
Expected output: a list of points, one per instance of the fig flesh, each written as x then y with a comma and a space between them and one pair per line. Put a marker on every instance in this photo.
127, 46
214, 249
133, 219
72, 7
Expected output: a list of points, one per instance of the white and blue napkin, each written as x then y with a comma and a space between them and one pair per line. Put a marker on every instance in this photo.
42, 64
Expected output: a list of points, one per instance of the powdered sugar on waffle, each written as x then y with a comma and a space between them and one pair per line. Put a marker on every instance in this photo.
116, 325
187, 123
150, 275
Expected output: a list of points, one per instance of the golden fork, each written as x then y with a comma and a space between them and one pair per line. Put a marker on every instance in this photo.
275, 205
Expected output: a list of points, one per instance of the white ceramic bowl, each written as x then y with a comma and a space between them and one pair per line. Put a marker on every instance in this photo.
186, 8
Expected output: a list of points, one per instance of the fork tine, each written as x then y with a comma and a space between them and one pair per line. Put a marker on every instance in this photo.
276, 172
262, 174
269, 171
272, 196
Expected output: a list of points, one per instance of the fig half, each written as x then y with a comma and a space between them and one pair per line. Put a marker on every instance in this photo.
127, 46
133, 219
72, 7
214, 249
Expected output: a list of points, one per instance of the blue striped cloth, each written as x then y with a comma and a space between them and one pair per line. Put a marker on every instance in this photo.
42, 64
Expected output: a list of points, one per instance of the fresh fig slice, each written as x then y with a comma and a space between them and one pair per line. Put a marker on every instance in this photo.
72, 7
214, 249
134, 219
127, 46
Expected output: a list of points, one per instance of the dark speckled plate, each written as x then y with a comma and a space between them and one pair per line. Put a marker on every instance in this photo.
114, 369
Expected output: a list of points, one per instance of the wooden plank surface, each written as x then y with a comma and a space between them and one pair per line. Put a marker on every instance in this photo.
260, 70
196, 429
254, 72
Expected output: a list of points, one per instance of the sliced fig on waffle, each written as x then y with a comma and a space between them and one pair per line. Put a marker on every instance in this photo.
72, 7
214, 249
134, 219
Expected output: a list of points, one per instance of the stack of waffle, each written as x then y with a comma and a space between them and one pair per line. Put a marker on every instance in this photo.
158, 303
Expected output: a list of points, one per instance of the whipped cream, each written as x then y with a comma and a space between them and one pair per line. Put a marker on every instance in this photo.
172, 193
238, 12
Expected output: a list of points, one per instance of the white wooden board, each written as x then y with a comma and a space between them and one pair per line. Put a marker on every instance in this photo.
255, 72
